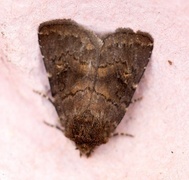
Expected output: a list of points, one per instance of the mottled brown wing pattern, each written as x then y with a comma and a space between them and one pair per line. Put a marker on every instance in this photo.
67, 58
92, 79
123, 59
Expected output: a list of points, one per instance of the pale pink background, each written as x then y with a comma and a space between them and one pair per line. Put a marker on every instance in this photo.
160, 121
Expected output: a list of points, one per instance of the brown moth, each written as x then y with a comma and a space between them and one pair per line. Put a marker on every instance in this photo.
92, 78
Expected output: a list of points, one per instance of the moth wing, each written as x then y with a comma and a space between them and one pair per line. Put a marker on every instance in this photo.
71, 61
124, 57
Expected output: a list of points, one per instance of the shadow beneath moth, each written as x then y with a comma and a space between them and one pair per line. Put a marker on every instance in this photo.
92, 78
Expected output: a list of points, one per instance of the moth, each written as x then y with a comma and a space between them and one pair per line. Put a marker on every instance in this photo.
92, 77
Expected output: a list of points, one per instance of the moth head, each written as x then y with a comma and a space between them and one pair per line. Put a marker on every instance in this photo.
85, 149
87, 131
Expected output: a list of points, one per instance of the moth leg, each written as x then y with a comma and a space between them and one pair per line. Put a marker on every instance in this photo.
121, 134
136, 100
45, 96
54, 126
